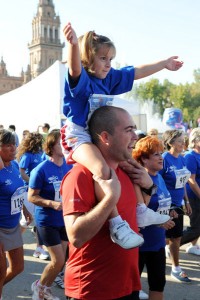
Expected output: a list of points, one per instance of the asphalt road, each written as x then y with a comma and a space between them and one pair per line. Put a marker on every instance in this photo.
20, 287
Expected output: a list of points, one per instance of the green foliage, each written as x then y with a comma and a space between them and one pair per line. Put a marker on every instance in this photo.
166, 94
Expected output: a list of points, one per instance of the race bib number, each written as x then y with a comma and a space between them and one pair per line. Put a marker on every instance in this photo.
58, 196
17, 200
164, 206
182, 177
97, 101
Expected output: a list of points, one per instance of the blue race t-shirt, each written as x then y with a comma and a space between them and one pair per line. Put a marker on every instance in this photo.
175, 175
192, 160
29, 161
154, 236
12, 194
76, 100
47, 178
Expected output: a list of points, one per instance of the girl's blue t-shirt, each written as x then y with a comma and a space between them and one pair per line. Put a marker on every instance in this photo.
47, 178
11, 192
154, 236
175, 175
192, 160
76, 105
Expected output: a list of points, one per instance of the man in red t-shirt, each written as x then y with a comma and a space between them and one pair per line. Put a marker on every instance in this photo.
97, 268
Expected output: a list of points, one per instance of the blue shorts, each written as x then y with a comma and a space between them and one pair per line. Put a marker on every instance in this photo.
51, 236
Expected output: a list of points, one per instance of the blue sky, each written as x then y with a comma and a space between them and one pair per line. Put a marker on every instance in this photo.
143, 31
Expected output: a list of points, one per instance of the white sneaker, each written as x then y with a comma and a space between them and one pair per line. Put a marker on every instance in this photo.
193, 249
48, 294
124, 236
59, 280
42, 293
38, 291
40, 253
150, 217
143, 295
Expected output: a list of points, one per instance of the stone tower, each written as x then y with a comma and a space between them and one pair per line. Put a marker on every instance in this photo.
45, 47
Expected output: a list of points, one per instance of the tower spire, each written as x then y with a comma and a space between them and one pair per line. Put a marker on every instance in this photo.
45, 47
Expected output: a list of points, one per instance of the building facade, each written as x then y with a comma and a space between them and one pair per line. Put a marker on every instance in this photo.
45, 48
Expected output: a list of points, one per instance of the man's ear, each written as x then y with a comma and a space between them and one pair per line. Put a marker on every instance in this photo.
104, 137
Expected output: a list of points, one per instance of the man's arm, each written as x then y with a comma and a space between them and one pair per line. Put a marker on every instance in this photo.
83, 227
74, 60
172, 64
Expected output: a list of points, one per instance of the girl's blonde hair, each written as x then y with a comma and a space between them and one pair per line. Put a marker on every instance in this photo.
89, 45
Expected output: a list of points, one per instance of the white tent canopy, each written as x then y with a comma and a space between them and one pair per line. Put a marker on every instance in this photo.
39, 101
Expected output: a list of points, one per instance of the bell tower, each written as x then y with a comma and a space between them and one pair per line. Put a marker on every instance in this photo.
45, 47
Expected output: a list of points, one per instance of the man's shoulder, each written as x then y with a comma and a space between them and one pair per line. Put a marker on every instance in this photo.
78, 172
78, 168
78, 178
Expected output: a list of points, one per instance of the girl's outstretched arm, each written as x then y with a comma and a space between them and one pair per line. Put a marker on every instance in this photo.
172, 64
74, 60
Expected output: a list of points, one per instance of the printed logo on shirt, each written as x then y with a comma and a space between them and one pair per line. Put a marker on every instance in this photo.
8, 182
36, 160
172, 168
74, 200
52, 179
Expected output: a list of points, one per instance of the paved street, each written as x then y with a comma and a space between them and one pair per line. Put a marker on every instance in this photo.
19, 288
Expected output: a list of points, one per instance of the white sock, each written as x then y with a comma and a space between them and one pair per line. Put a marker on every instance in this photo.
176, 269
114, 221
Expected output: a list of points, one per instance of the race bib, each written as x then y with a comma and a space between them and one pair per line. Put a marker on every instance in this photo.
58, 196
97, 101
182, 177
164, 206
17, 200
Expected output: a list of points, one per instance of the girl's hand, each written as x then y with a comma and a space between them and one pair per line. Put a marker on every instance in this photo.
173, 64
70, 34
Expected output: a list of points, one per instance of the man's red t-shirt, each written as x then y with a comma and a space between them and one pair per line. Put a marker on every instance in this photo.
100, 269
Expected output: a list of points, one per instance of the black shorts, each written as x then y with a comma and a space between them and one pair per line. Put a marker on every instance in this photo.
195, 216
177, 230
192, 232
51, 236
155, 263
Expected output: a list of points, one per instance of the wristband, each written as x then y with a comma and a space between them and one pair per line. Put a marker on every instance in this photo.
150, 191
